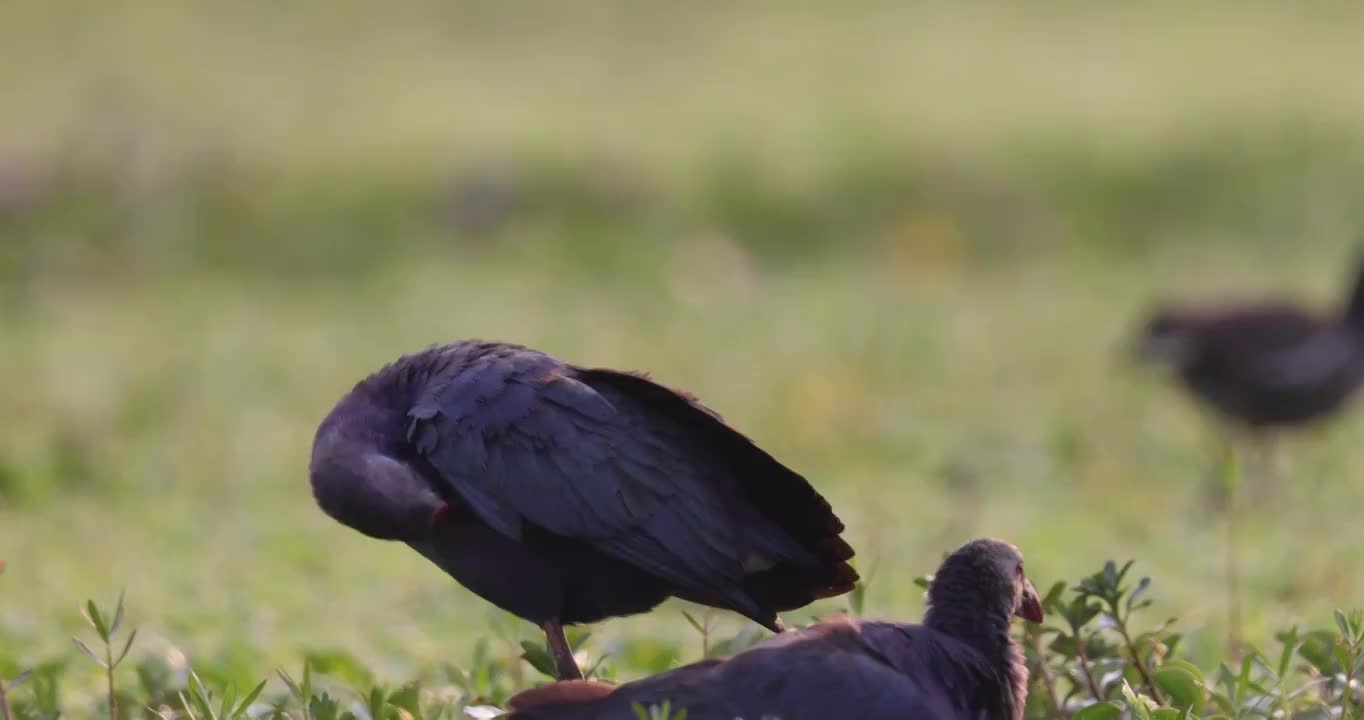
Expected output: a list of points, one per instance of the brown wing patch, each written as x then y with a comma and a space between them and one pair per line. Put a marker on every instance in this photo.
565, 692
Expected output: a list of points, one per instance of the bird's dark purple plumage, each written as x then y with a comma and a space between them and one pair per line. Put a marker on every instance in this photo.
573, 494
960, 664
1263, 364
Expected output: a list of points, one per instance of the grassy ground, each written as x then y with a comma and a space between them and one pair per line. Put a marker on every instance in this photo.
898, 246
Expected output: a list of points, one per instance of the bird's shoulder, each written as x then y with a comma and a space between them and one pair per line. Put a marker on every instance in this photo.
489, 387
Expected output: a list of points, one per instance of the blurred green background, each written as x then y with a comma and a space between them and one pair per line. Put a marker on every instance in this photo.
899, 244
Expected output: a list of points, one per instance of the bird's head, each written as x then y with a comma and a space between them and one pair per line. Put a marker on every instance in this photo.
1167, 338
363, 488
990, 569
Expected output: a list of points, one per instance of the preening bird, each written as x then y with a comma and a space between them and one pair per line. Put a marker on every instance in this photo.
564, 494
1263, 365
962, 663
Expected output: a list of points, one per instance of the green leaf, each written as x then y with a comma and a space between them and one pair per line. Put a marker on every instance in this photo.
189, 709
539, 658
228, 702
577, 636
1167, 713
1290, 641
18, 680
591, 673
323, 707
408, 698
1188, 667
1243, 680
1123, 572
92, 614
201, 695
294, 689
88, 652
639, 711
127, 646
1141, 587
375, 702
340, 664
1051, 602
1344, 626
1181, 687
250, 698
1099, 711
1342, 657
1223, 702
118, 615
1138, 703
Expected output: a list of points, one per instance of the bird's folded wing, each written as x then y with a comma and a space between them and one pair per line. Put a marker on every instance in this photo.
1320, 359
521, 441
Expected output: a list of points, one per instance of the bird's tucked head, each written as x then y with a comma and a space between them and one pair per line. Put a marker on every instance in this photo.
983, 580
360, 486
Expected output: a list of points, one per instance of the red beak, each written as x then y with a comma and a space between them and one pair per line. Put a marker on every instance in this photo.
1030, 608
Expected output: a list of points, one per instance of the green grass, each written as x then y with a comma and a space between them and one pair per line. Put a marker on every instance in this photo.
898, 246
159, 437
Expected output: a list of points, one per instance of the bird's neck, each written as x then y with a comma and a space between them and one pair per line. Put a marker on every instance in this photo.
984, 625
1354, 307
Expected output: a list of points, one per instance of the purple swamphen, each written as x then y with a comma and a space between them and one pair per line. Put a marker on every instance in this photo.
565, 494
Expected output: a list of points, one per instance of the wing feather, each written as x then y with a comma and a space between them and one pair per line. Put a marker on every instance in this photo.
522, 441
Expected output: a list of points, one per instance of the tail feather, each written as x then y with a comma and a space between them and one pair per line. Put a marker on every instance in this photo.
777, 494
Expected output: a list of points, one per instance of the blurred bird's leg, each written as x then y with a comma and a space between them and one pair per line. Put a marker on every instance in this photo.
1261, 469
1217, 485
563, 653
1232, 481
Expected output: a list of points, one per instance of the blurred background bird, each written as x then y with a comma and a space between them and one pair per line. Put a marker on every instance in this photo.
568, 495
1262, 368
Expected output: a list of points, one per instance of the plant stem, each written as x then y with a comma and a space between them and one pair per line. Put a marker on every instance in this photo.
4, 701
1347, 697
1141, 666
109, 676
1048, 680
1233, 584
1233, 568
1084, 667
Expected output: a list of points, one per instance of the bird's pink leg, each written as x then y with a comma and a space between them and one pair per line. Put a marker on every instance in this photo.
563, 654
